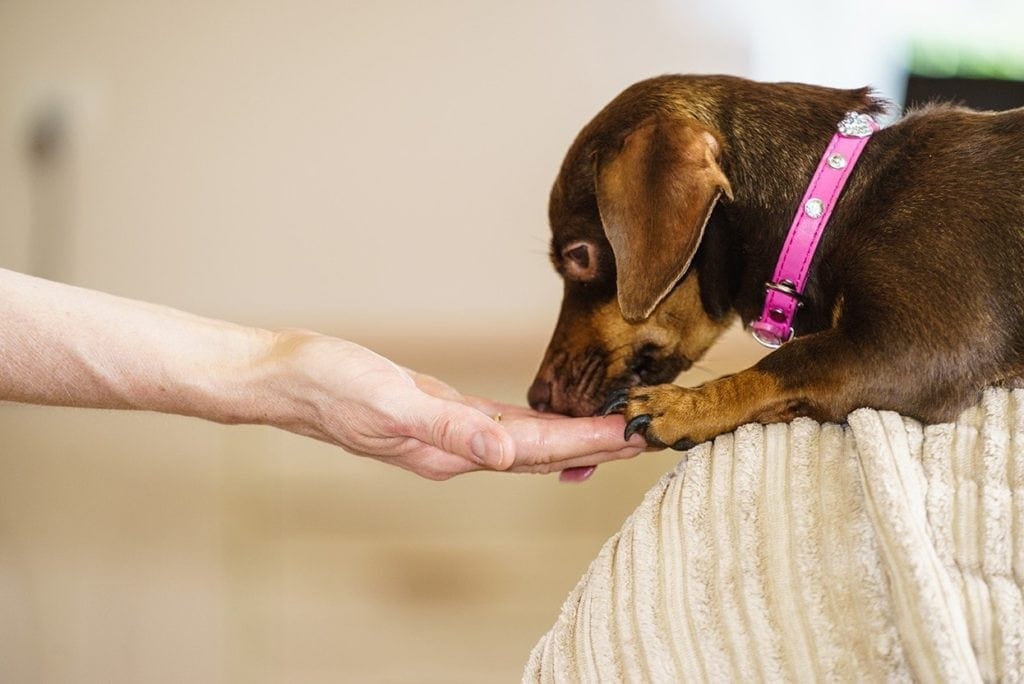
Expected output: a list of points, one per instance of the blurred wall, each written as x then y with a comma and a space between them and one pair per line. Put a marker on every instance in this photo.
378, 170
353, 164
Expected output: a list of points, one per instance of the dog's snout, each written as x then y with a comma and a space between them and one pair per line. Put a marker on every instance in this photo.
539, 395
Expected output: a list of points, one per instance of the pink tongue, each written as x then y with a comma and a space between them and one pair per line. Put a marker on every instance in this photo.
576, 474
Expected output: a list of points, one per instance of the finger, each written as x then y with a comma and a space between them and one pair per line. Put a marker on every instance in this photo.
556, 441
461, 430
587, 460
492, 407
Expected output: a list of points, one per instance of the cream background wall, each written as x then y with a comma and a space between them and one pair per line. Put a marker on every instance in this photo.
353, 163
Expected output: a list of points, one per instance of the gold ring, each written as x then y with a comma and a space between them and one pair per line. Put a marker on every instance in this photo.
496, 417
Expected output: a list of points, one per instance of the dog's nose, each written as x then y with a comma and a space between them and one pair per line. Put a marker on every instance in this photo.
539, 395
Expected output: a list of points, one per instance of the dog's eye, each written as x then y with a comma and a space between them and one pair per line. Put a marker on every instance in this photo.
578, 259
580, 255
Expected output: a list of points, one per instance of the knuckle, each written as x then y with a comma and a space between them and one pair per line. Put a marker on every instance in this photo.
443, 432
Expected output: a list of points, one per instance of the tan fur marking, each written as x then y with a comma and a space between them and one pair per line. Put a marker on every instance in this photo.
679, 324
697, 415
837, 310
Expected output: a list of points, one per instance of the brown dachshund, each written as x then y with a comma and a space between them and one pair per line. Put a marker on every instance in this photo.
668, 216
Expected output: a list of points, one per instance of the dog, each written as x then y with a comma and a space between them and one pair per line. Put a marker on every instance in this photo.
668, 216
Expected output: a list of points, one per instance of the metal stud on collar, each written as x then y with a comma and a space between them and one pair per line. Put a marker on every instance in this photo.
837, 161
814, 208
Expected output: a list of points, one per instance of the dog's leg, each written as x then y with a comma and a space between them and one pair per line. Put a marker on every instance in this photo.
824, 376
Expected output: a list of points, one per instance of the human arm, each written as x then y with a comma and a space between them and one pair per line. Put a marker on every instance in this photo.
70, 346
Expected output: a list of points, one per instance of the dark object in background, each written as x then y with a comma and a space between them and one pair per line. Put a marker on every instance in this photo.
48, 149
978, 93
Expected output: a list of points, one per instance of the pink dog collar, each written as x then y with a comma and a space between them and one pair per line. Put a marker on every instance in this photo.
782, 295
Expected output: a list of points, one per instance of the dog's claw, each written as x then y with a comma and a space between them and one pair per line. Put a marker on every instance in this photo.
638, 424
617, 401
683, 445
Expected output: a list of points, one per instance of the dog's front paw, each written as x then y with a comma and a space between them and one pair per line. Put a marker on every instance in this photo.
661, 413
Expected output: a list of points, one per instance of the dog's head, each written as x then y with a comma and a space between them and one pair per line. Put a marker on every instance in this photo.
628, 211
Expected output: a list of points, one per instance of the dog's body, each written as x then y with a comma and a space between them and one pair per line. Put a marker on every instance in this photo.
668, 216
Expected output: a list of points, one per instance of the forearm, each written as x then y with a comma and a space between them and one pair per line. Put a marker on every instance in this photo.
68, 346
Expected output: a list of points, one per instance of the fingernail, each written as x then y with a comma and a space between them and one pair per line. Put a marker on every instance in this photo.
487, 451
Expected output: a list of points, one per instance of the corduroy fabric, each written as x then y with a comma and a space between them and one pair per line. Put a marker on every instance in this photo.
877, 550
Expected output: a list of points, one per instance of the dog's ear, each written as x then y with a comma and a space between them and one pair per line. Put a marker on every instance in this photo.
655, 197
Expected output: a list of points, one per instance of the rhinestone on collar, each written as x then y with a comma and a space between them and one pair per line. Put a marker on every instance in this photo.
856, 125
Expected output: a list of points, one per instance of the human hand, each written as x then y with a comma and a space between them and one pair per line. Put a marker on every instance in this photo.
348, 395
547, 441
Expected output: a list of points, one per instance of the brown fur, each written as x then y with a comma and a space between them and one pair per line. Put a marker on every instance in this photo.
915, 300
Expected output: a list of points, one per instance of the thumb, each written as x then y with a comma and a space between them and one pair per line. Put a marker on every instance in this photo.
464, 431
